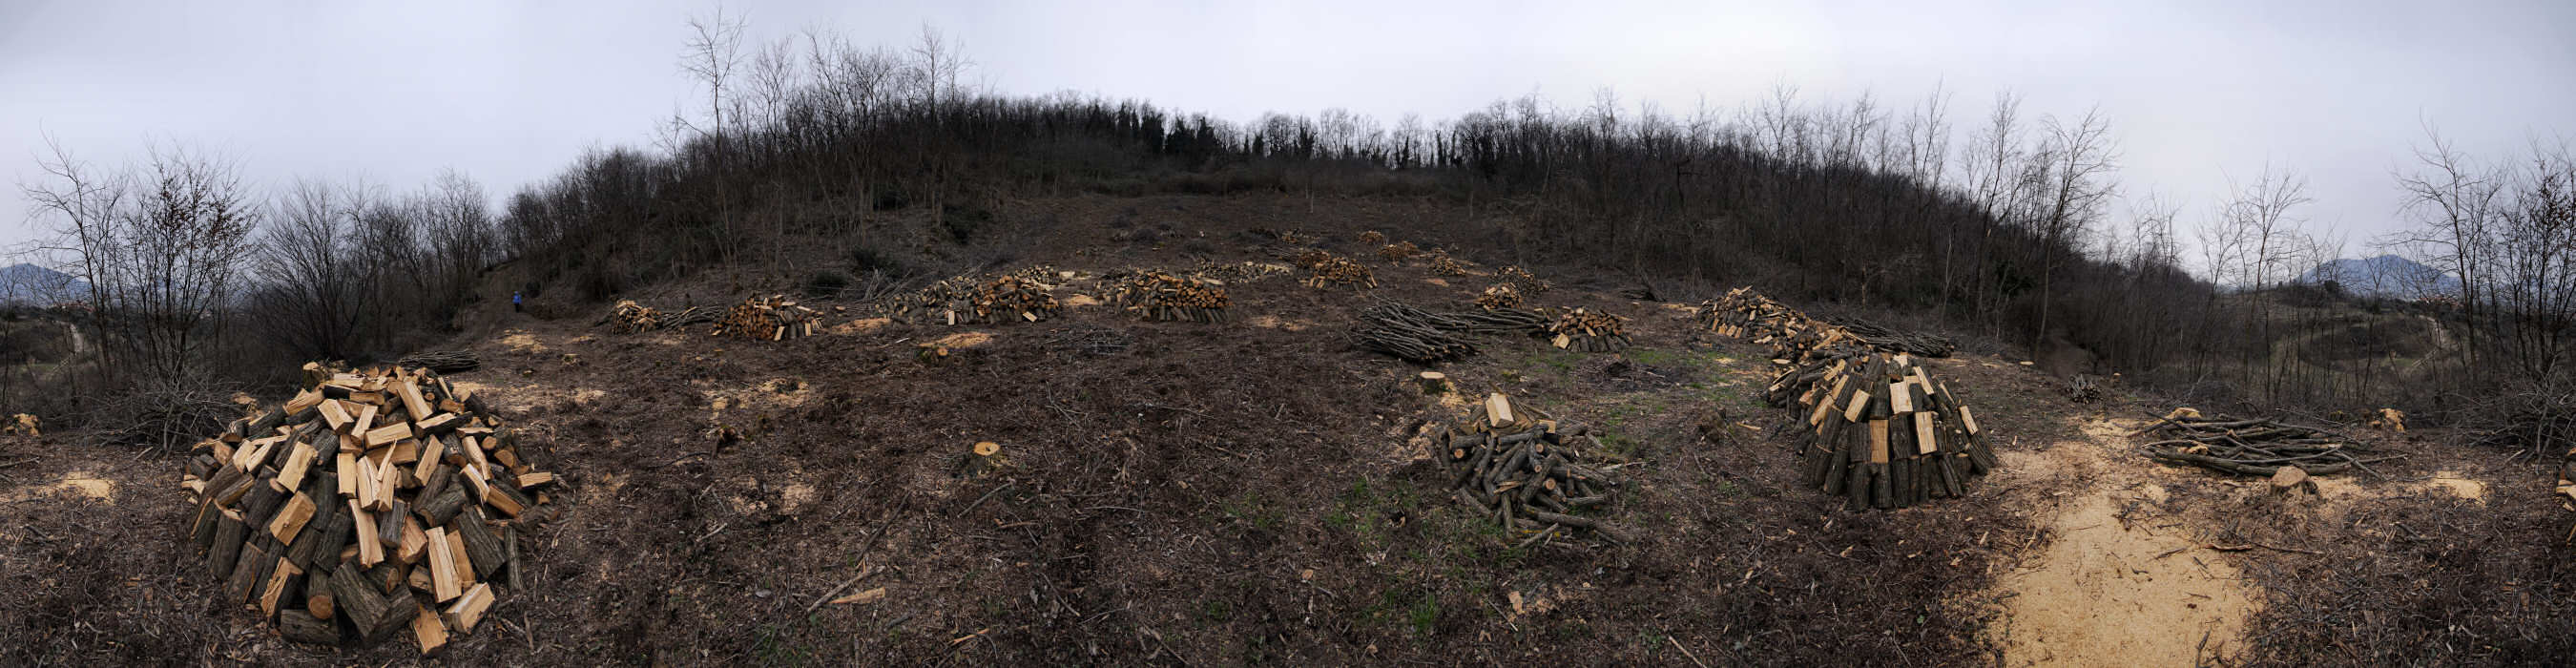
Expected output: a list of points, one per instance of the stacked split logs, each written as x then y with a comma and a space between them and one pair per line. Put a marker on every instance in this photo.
2253, 447
2084, 389
1162, 297
1585, 331
1751, 316
368, 504
1444, 265
1010, 297
1501, 296
1332, 271
1880, 431
771, 318
1526, 281
1532, 475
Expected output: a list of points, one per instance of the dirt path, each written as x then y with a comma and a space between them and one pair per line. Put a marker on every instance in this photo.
2115, 583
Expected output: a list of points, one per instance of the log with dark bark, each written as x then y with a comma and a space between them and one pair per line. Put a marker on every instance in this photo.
2253, 447
1531, 474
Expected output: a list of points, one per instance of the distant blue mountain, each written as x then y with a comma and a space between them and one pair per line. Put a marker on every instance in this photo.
33, 284
2385, 276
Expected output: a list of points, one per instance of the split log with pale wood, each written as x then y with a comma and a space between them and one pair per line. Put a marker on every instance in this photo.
1751, 316
1162, 297
1879, 430
1586, 331
1010, 297
373, 502
1533, 475
1331, 270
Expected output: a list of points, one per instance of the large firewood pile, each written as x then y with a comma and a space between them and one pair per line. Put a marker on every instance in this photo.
1586, 331
771, 318
2253, 446
1421, 336
1161, 297
1335, 271
1534, 476
369, 503
1878, 429
1011, 297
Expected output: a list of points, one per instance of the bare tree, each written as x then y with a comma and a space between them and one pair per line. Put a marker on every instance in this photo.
160, 244
713, 52
2081, 160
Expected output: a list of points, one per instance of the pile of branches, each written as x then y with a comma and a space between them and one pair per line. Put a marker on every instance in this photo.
1238, 273
1894, 340
1398, 251
631, 318
1372, 237
1161, 297
1532, 475
1879, 431
1444, 265
1409, 334
1585, 331
2084, 389
2253, 446
1501, 296
442, 361
1338, 271
160, 414
771, 318
1528, 282
1423, 336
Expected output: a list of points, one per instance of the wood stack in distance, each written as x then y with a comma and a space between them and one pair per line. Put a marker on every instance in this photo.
1527, 282
1444, 265
1398, 251
633, 318
1424, 337
1500, 296
1531, 474
1749, 315
1161, 297
369, 503
1878, 429
1329, 270
771, 318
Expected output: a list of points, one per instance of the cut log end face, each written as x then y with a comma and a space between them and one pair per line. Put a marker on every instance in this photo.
987, 449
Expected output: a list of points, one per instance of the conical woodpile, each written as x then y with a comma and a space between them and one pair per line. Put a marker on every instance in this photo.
370, 503
1012, 297
1336, 271
1586, 331
1500, 296
1878, 429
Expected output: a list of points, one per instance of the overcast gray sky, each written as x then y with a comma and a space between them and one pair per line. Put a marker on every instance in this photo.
508, 92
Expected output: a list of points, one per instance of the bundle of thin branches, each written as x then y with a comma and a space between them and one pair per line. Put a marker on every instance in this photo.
160, 414
443, 361
1409, 334
1162, 297
1532, 475
1500, 321
1894, 340
1589, 332
2253, 446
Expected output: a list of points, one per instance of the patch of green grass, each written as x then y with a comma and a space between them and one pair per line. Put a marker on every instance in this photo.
1251, 509
1216, 611
1655, 356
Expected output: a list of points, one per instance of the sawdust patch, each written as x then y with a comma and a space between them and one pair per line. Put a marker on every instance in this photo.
2109, 590
963, 340
76, 483
859, 326
1078, 301
522, 342
1275, 322
2452, 482
1435, 281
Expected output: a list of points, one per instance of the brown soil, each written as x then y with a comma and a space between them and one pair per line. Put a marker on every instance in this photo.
1260, 493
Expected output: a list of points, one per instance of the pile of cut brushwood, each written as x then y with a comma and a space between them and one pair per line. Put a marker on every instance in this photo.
2254, 446
771, 318
631, 318
1328, 270
1161, 297
1421, 336
1011, 297
1533, 475
1751, 316
1879, 430
370, 503
1527, 282
442, 361
1585, 331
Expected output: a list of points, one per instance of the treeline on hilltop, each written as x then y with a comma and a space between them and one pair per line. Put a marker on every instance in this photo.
2007, 225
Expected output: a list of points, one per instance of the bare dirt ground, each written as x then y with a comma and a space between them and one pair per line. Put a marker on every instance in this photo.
1259, 492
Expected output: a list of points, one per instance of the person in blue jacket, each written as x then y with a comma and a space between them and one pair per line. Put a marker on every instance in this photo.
514, 302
